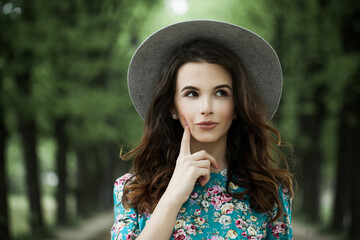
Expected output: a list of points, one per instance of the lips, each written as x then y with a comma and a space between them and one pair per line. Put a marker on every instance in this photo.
206, 125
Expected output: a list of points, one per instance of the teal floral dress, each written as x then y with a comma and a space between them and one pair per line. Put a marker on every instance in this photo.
210, 213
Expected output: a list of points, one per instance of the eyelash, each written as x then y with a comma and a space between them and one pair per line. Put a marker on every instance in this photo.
223, 93
191, 92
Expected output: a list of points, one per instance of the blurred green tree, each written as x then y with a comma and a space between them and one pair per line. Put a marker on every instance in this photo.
317, 42
20, 55
86, 101
65, 66
302, 56
4, 213
344, 65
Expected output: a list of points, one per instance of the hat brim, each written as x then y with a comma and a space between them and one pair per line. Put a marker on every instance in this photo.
259, 59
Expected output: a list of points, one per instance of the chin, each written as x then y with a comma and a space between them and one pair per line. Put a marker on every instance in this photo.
207, 138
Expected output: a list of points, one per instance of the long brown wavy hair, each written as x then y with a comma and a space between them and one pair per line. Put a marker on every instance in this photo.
255, 161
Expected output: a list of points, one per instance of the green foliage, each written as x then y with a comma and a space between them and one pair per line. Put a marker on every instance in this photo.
76, 54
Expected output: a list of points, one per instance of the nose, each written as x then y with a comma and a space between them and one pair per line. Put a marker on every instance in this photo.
206, 106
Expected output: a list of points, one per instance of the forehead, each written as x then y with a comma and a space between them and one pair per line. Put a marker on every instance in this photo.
202, 74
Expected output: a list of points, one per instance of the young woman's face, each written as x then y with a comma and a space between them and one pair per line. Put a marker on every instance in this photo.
204, 98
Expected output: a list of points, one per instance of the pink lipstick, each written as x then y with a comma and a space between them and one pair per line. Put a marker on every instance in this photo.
206, 125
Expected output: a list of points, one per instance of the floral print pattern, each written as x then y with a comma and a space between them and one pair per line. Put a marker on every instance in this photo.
210, 213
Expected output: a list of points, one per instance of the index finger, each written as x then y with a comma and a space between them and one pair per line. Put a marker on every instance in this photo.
185, 141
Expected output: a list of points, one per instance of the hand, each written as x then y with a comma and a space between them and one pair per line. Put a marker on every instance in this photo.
189, 168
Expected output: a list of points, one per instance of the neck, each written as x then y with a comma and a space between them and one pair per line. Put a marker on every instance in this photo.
216, 149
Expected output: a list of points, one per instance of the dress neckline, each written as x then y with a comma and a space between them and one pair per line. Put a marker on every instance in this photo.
222, 172
218, 176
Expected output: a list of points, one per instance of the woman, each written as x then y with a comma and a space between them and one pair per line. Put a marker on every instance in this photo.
207, 165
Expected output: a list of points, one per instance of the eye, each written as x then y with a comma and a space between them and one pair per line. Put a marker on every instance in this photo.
221, 93
191, 94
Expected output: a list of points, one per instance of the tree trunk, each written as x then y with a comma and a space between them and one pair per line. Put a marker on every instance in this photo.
88, 178
81, 203
113, 168
355, 180
311, 170
4, 218
351, 38
354, 150
311, 126
347, 197
28, 133
106, 185
343, 173
62, 146
27, 129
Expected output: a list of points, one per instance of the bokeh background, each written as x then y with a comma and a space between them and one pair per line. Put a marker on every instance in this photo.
65, 112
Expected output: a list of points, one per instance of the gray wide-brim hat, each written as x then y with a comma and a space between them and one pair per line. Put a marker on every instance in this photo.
258, 57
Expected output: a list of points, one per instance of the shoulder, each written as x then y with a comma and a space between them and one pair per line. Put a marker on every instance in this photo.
128, 223
285, 196
119, 186
120, 182
285, 200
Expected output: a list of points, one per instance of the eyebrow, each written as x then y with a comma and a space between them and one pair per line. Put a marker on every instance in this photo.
223, 86
197, 89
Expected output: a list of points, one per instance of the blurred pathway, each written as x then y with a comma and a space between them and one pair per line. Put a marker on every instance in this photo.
303, 231
98, 228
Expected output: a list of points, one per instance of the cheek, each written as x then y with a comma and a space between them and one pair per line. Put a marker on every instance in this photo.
227, 111
186, 112
185, 116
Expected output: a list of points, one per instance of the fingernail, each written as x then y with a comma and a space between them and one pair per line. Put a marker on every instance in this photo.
186, 124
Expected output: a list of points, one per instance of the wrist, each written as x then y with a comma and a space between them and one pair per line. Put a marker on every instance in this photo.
171, 200
162, 220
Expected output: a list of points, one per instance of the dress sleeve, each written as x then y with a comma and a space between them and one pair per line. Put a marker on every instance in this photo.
281, 228
126, 225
